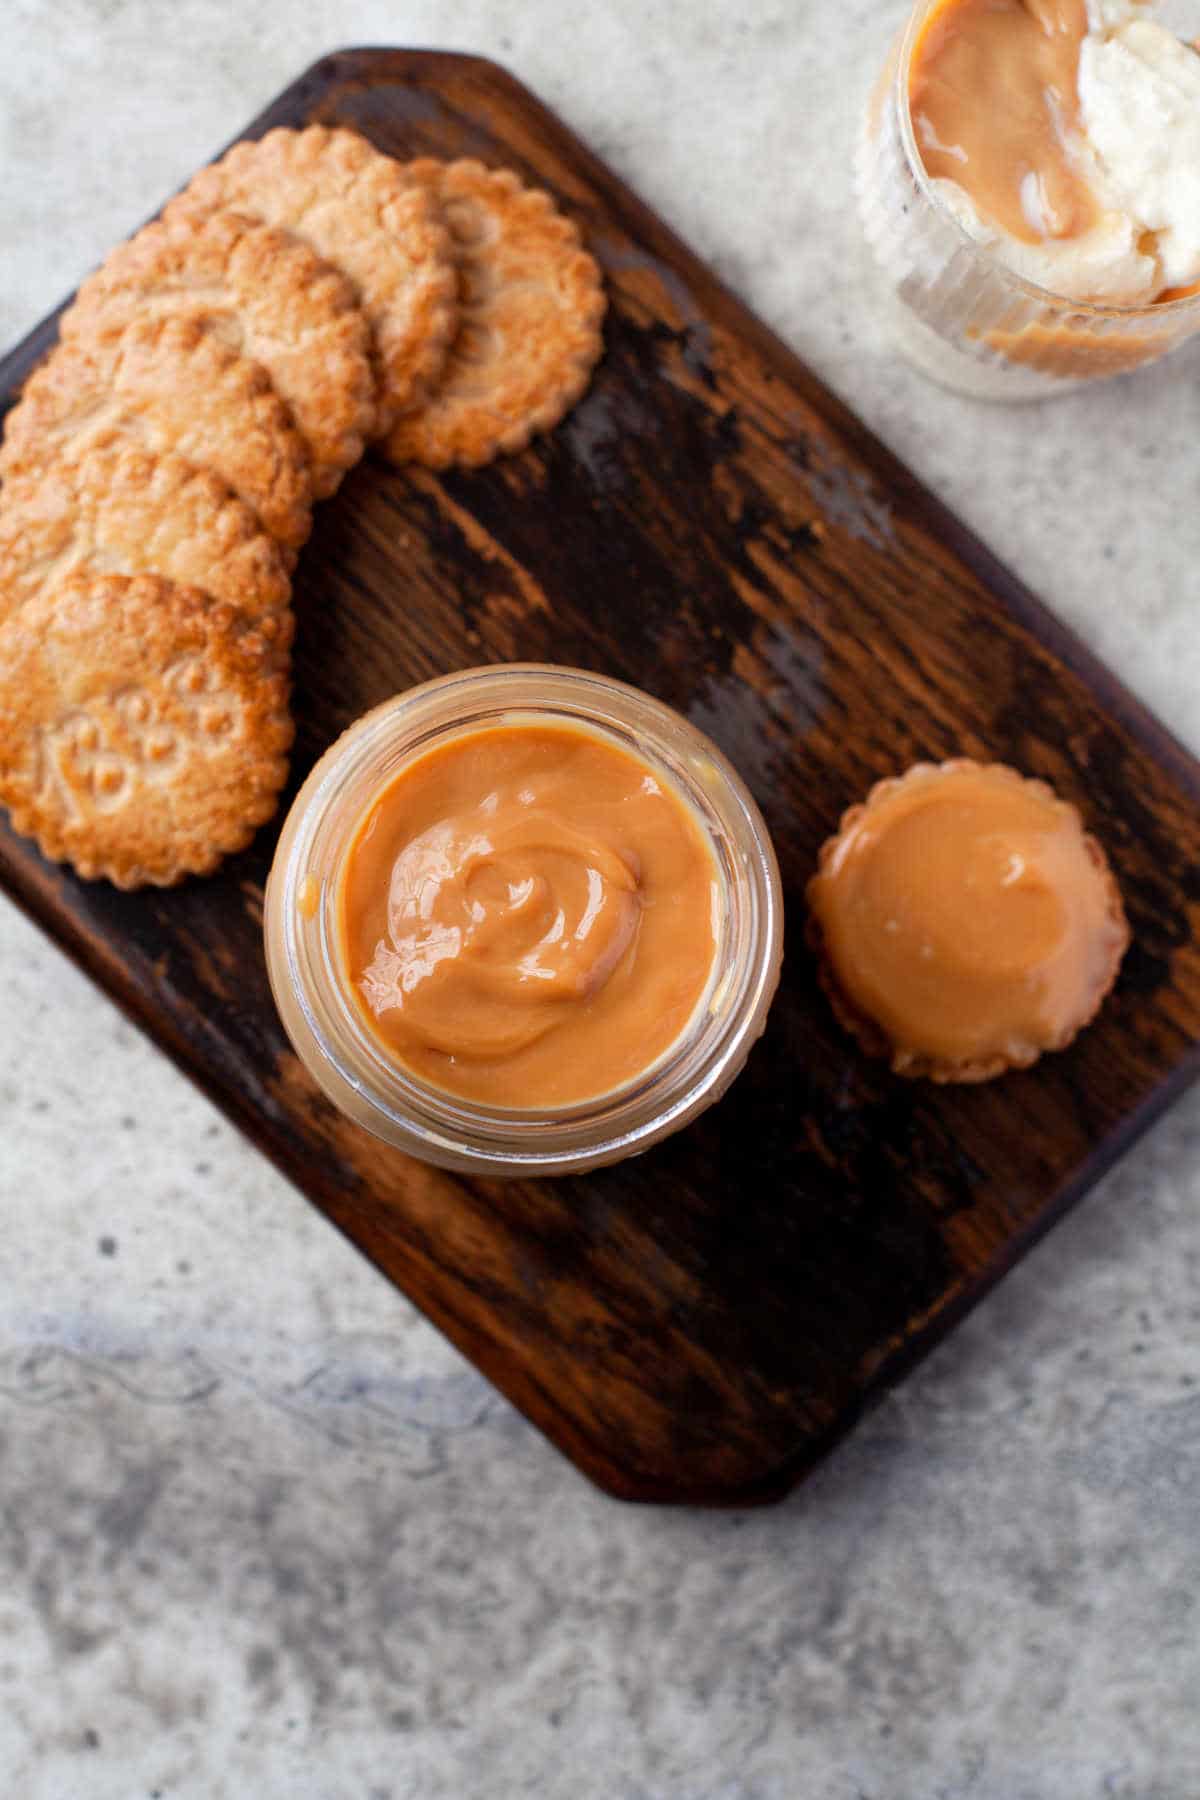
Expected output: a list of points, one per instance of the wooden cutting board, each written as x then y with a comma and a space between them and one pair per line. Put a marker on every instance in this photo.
710, 524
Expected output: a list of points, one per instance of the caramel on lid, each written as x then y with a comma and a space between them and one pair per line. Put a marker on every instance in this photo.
965, 911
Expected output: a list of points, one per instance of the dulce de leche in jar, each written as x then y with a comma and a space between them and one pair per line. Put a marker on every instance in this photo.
528, 915
523, 920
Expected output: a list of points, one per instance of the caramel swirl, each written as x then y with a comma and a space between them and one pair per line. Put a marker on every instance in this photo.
528, 915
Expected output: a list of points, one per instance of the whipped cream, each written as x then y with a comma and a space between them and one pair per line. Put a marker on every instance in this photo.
1139, 107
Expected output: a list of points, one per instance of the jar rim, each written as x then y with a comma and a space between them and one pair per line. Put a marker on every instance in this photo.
335, 1042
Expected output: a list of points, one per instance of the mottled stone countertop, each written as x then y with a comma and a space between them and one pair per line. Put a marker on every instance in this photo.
262, 1533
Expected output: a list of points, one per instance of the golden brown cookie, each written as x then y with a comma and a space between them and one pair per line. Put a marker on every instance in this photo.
361, 211
532, 304
167, 384
144, 728
965, 921
121, 511
264, 294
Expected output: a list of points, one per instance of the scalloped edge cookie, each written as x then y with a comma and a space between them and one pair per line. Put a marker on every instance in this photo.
145, 729
531, 303
167, 385
362, 212
119, 510
265, 294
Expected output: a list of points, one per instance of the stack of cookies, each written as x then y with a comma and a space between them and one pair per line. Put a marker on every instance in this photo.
303, 298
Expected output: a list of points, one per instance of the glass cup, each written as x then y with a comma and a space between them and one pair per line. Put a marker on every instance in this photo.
326, 1025
956, 312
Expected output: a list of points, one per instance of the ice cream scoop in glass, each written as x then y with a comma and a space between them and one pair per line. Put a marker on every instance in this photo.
1029, 183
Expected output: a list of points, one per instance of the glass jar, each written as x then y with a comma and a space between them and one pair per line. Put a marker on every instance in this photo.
325, 1024
955, 311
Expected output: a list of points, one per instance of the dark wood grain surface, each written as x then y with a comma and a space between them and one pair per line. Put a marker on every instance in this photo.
702, 1323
